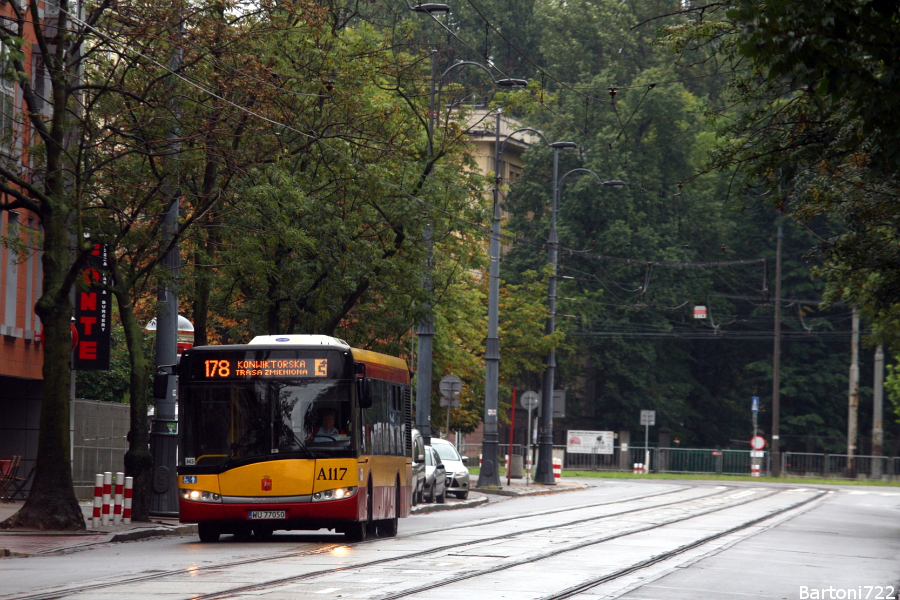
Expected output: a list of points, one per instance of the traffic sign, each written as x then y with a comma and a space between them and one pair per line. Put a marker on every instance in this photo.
648, 417
450, 386
754, 404
449, 402
757, 442
529, 400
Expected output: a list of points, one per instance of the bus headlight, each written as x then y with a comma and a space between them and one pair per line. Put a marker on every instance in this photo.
335, 494
200, 496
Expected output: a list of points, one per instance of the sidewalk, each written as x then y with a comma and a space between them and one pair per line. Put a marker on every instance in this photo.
28, 542
518, 487
31, 542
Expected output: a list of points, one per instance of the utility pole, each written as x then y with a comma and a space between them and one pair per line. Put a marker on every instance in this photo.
877, 413
853, 405
490, 473
776, 354
164, 430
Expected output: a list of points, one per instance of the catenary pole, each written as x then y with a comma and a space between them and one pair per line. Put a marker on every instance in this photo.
877, 414
164, 430
776, 354
853, 402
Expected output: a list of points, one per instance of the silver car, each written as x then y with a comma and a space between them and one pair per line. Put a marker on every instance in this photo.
435, 477
457, 471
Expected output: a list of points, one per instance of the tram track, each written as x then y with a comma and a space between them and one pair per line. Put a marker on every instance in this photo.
291, 554
653, 560
460, 545
257, 588
531, 559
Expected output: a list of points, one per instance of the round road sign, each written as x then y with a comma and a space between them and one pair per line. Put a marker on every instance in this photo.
529, 400
757, 442
450, 386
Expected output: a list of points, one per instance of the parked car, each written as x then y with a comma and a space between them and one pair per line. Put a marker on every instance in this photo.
457, 471
418, 467
435, 477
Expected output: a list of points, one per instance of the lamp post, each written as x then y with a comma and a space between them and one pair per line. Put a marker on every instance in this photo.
490, 474
425, 331
545, 443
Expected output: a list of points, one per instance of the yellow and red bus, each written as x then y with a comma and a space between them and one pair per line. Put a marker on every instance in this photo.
293, 432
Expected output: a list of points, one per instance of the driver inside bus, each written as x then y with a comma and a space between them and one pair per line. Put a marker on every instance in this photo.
328, 431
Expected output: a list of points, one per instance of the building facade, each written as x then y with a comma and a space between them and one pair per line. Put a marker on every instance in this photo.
21, 351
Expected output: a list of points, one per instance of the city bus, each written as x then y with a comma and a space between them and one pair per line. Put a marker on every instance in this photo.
293, 432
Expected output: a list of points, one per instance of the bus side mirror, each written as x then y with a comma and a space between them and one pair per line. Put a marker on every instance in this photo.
364, 392
161, 381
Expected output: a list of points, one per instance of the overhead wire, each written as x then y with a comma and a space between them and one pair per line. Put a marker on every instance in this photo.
475, 226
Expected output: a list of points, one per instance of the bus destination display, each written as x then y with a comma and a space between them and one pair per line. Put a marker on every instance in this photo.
226, 368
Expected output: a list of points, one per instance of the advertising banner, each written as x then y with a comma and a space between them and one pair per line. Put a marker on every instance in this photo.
93, 313
589, 442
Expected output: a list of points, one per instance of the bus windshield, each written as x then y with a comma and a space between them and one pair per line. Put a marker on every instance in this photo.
261, 418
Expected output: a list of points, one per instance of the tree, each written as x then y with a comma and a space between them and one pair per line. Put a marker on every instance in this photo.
53, 192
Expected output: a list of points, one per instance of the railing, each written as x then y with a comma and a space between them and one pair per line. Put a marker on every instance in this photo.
839, 466
714, 461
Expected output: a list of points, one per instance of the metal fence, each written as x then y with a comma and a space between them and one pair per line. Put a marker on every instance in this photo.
98, 442
839, 466
713, 461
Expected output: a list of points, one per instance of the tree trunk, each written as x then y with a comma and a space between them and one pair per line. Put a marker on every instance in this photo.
138, 460
52, 504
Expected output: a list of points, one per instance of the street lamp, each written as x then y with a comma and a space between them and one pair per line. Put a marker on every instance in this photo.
490, 474
545, 443
425, 331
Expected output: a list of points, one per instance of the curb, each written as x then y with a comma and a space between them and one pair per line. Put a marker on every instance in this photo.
516, 491
422, 509
140, 534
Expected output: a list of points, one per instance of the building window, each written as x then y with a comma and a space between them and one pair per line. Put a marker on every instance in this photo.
7, 102
38, 78
12, 269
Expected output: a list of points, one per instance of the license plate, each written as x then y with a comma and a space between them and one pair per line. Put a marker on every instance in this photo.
268, 514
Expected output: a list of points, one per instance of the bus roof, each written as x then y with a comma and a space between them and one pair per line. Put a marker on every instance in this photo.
299, 340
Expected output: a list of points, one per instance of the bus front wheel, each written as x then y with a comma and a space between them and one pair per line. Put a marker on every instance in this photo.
356, 532
208, 532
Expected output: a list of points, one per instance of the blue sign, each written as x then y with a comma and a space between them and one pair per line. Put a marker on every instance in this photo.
754, 404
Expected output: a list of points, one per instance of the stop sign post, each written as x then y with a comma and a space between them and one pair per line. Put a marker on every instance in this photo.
529, 401
450, 387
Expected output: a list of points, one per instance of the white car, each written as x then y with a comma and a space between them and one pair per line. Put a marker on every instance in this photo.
457, 471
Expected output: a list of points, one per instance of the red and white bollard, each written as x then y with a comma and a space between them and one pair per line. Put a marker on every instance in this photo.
557, 468
126, 508
754, 470
636, 468
98, 500
528, 465
107, 495
119, 493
